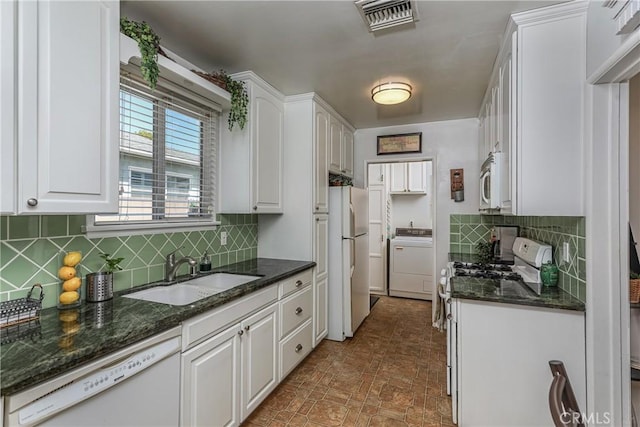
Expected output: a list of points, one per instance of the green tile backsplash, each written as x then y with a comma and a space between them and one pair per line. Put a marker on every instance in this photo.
467, 230
31, 250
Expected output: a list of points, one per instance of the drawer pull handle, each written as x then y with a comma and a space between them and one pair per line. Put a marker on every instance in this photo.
298, 310
246, 328
32, 202
298, 348
240, 332
298, 283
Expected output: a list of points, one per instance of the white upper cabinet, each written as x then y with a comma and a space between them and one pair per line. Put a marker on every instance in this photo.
536, 94
340, 147
321, 146
66, 91
250, 168
347, 152
506, 127
335, 145
7, 108
408, 178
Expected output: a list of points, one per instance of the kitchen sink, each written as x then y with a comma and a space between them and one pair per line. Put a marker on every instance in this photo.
221, 281
188, 292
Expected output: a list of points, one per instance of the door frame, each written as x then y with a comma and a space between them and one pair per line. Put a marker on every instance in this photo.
434, 206
606, 173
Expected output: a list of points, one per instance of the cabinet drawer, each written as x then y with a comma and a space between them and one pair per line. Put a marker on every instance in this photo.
296, 282
205, 325
295, 310
295, 348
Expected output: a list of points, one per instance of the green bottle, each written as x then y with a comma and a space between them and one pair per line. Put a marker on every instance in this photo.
549, 274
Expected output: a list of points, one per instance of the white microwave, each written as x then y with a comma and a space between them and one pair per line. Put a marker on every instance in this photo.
490, 176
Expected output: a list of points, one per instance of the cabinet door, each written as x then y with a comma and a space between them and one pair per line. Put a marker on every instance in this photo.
398, 180
487, 133
506, 145
267, 152
417, 177
494, 119
481, 130
211, 381
377, 231
335, 145
321, 324
320, 244
259, 357
321, 183
347, 152
7, 108
68, 82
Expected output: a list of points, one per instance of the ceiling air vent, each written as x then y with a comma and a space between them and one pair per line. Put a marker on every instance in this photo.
382, 14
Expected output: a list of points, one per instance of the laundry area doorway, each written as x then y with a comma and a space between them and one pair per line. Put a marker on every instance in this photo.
401, 218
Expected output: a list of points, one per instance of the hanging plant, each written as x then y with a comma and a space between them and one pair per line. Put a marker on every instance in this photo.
239, 96
149, 45
239, 101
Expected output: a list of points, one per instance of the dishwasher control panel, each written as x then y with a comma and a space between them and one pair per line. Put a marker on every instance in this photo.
96, 382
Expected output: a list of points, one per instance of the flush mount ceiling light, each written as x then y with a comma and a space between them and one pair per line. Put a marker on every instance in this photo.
391, 93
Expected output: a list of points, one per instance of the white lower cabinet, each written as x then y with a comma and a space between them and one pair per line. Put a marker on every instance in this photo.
211, 381
321, 327
295, 348
502, 358
296, 326
259, 357
235, 355
226, 377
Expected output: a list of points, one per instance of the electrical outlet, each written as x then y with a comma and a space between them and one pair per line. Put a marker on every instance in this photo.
566, 252
223, 238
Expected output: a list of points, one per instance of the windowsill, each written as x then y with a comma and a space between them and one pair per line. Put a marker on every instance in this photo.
116, 230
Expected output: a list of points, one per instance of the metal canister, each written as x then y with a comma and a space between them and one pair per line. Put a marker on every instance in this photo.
99, 286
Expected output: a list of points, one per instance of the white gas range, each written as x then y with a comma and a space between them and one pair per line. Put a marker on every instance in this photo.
518, 279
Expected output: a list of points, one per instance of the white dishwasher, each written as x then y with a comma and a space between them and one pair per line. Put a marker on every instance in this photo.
135, 386
412, 264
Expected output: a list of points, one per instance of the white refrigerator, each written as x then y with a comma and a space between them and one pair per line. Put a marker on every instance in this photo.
348, 260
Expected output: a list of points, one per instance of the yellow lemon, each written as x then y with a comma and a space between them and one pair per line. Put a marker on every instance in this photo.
72, 259
69, 297
72, 284
66, 273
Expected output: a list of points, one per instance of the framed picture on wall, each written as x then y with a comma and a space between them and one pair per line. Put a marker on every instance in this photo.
404, 143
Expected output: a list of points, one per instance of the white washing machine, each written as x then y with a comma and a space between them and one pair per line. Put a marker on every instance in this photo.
411, 267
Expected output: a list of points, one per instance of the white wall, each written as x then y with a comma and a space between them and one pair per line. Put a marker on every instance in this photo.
452, 144
411, 208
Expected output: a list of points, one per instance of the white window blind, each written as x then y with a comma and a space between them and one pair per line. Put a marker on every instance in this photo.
167, 157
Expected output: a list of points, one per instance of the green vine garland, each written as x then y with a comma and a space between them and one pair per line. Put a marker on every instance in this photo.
239, 101
149, 45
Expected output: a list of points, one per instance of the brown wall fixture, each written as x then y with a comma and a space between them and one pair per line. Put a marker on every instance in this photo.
457, 184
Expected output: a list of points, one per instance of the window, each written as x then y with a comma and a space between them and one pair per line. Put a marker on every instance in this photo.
167, 158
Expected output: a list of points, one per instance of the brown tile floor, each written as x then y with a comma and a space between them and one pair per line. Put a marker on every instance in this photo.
392, 373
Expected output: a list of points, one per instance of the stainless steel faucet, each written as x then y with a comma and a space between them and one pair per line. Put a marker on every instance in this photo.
171, 266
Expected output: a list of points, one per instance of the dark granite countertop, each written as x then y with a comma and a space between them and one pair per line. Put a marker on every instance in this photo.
56, 346
512, 293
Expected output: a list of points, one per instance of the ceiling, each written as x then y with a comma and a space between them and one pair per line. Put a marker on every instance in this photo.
325, 47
